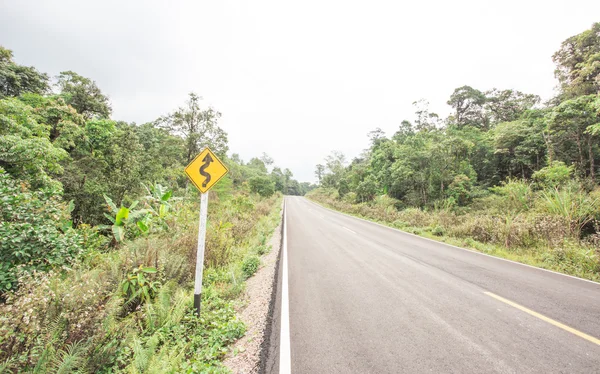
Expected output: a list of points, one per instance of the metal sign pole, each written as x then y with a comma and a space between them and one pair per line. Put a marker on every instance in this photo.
200, 253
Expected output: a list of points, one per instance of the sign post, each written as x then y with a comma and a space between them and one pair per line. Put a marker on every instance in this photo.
204, 171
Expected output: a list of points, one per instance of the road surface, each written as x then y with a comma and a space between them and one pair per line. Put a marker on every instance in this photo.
364, 298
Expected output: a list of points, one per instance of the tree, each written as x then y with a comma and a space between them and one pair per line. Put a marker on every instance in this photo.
17, 79
334, 164
65, 124
508, 105
109, 159
287, 175
84, 95
197, 127
266, 159
262, 185
404, 130
376, 136
425, 120
519, 147
278, 178
319, 172
468, 104
569, 125
26, 151
258, 165
578, 64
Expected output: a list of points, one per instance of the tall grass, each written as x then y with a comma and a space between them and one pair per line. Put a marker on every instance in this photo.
574, 205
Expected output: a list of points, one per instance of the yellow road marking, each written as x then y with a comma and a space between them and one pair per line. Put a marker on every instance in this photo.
544, 318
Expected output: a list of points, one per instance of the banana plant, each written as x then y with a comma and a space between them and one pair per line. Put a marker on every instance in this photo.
122, 217
158, 200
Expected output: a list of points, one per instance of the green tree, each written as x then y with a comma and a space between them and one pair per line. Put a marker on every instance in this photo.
469, 107
519, 147
198, 127
262, 185
278, 178
17, 79
568, 125
335, 166
26, 151
578, 64
109, 159
508, 105
319, 172
84, 95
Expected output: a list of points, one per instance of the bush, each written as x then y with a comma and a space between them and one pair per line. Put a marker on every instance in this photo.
460, 189
554, 175
36, 231
250, 266
263, 186
350, 197
438, 231
517, 195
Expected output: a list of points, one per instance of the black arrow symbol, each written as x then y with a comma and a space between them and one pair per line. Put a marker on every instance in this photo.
207, 160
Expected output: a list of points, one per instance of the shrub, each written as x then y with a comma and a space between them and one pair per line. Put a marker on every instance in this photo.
261, 249
35, 229
263, 186
250, 266
137, 288
438, 231
554, 175
517, 194
350, 197
460, 189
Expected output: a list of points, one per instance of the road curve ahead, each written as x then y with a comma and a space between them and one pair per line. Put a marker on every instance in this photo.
369, 299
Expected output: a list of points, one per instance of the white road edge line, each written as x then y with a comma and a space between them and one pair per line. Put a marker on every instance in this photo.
285, 363
352, 231
453, 246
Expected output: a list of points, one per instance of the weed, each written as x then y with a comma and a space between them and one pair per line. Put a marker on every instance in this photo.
250, 266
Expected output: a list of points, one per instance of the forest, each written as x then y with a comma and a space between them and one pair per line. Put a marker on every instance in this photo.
504, 173
99, 225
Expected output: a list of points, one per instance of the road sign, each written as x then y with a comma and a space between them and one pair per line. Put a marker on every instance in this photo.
205, 170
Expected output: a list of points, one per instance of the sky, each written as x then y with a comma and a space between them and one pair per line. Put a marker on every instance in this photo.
295, 79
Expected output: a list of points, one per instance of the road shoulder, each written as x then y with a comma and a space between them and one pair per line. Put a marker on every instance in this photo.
248, 354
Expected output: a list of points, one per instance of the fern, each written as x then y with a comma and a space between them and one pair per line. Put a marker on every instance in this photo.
7, 366
72, 359
50, 339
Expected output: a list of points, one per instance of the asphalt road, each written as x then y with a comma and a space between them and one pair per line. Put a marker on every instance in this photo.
364, 298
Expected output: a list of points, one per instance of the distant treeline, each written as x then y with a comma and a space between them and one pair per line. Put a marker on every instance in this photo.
491, 137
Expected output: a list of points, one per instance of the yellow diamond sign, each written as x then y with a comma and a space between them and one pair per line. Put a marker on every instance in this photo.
205, 170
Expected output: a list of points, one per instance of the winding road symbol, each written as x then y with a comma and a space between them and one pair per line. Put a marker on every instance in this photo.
207, 160
206, 170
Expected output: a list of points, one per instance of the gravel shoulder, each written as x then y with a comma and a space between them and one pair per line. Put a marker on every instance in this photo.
254, 310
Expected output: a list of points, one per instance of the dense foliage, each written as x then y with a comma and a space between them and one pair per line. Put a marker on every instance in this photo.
98, 231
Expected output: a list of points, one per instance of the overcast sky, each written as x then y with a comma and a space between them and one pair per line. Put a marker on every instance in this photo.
295, 79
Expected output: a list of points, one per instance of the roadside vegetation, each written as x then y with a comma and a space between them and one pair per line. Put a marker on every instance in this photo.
503, 174
98, 232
